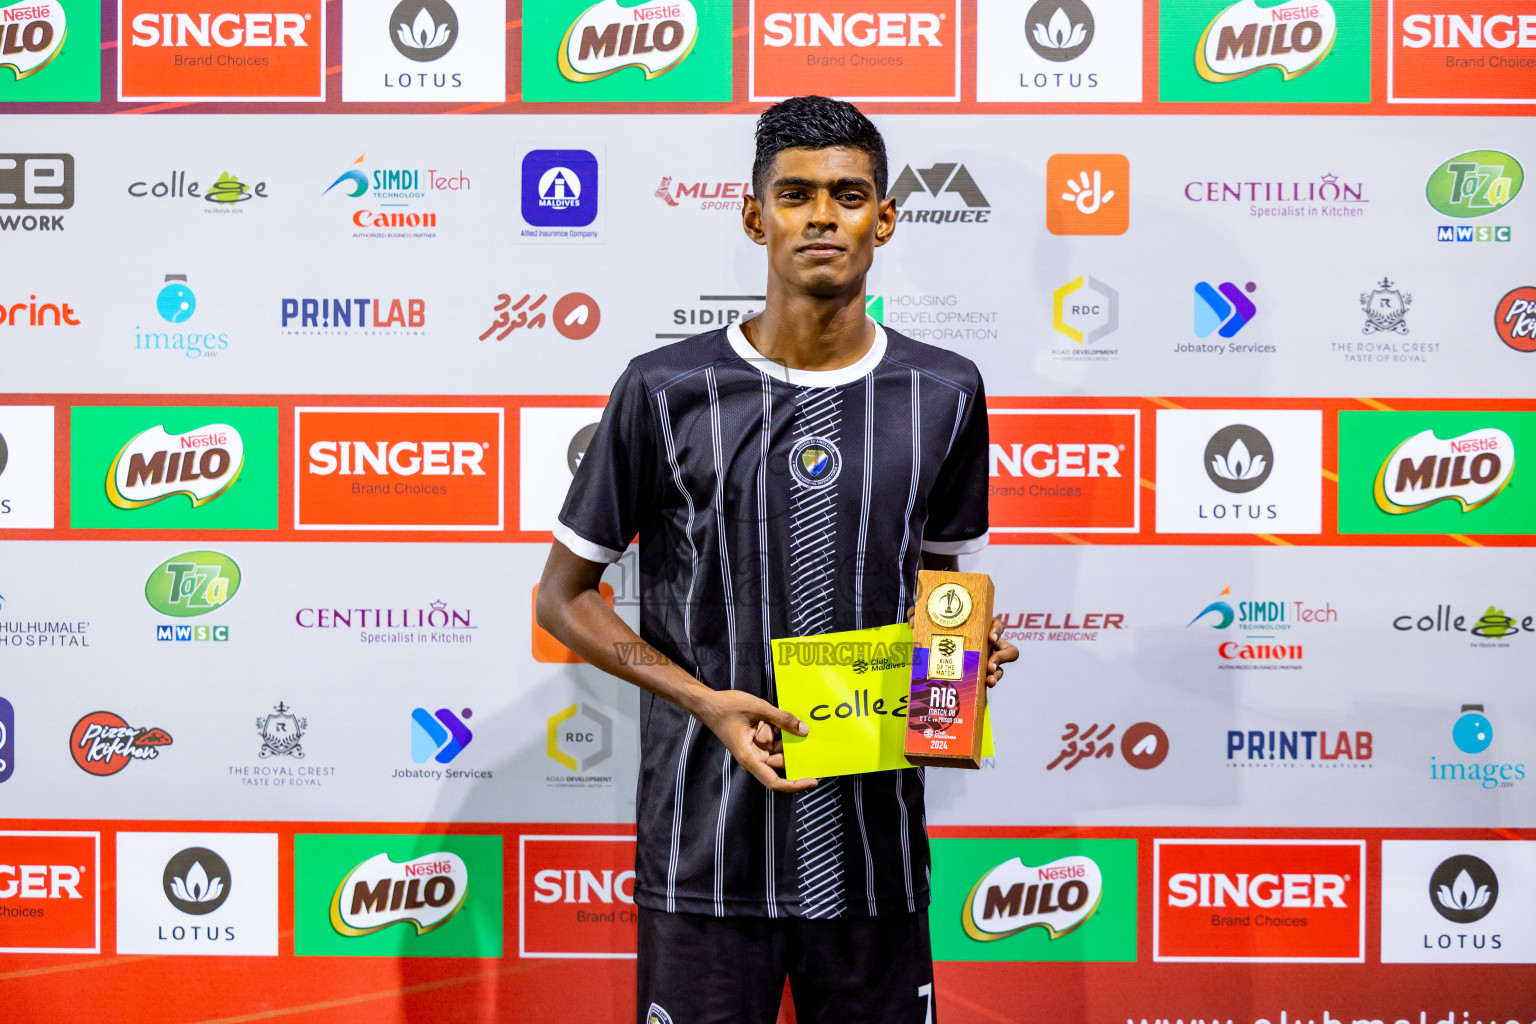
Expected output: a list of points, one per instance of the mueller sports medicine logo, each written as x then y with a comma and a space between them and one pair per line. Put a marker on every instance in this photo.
576, 896
1470, 470
1055, 470
154, 465
398, 469
31, 36
1057, 897
50, 894
891, 50
237, 50
1292, 37
103, 744
1441, 52
424, 892
655, 36
1298, 901
42, 182
703, 195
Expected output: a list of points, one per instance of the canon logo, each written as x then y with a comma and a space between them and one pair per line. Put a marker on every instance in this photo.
1059, 460
859, 29
402, 458
582, 886
1452, 31
39, 882
184, 30
1188, 889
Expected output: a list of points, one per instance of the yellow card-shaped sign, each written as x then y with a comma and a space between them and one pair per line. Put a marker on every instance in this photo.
851, 689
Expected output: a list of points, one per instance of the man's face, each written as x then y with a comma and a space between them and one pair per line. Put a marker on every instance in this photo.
820, 220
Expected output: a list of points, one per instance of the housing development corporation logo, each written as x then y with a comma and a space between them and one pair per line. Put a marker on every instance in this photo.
50, 892
1439, 52
655, 50
1064, 470
35, 181
102, 743
1294, 51
1087, 194
423, 51
238, 50
894, 50
49, 51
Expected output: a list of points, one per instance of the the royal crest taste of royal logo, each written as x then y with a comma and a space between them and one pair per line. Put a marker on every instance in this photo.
1386, 309
948, 698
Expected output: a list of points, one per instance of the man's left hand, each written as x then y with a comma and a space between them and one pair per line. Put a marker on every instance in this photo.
1002, 652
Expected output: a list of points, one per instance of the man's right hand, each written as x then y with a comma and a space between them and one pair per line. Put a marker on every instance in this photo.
749, 727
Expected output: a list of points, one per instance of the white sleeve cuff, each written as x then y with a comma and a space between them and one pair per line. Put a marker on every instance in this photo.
583, 547
956, 547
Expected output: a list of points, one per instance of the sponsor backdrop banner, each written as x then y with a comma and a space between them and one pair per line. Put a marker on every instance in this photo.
294, 387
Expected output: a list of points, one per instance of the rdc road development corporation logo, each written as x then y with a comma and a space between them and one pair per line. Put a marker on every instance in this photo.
191, 585
653, 51
175, 303
574, 315
1472, 733
1144, 745
1457, 901
1300, 901
398, 469
1472, 185
561, 196
1034, 899
238, 50
579, 738
1465, 54
423, 51
1294, 748
1296, 51
945, 193
1087, 194
1239, 471
899, 50
397, 895
197, 894
49, 54
50, 892
102, 743
1061, 51
576, 897
1515, 319
27, 457
41, 184
1064, 470
1086, 311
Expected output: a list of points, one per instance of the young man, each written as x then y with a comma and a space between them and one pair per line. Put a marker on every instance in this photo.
787, 476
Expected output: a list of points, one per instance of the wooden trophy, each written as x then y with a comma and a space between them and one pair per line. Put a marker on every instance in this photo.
950, 635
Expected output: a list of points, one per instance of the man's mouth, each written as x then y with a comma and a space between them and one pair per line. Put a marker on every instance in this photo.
820, 250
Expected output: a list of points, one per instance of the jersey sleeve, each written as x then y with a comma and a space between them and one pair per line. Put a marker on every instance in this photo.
615, 479
957, 505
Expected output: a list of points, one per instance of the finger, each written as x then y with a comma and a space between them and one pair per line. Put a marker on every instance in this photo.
763, 735
778, 745
768, 777
775, 761
783, 719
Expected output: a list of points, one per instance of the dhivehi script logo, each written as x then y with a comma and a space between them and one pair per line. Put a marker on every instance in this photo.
1059, 897
426, 892
654, 36
202, 464
1425, 469
31, 35
1291, 37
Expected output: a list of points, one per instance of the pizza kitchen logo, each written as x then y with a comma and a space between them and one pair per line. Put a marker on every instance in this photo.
425, 892
1058, 897
154, 465
102, 743
1292, 37
1470, 469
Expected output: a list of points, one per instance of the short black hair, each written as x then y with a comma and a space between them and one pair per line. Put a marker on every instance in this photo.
816, 122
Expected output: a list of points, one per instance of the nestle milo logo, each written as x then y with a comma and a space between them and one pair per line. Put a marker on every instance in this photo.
195, 583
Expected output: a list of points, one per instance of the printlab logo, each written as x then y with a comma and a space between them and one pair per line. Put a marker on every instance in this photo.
1260, 748
1515, 319
423, 51
1144, 745
575, 315
939, 181
102, 743
7, 740
1471, 185
1463, 889
439, 737
176, 302
1087, 194
36, 181
1238, 458
35, 62
281, 732
361, 317
579, 738
196, 881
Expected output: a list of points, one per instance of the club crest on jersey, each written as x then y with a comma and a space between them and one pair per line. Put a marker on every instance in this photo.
815, 462
656, 1015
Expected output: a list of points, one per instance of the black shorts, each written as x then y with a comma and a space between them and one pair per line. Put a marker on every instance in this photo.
699, 969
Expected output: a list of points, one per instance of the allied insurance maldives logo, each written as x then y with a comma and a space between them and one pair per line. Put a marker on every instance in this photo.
398, 469
226, 50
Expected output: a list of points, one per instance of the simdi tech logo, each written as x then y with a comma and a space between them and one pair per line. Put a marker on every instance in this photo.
1445, 51
1064, 470
173, 467
1435, 472
50, 892
397, 895
423, 51
242, 50
50, 51
1058, 51
894, 50
651, 51
576, 897
1258, 900
428, 468
1294, 51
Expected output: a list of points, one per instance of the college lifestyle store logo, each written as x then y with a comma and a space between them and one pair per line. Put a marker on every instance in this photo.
224, 195
50, 892
35, 181
1143, 746
1292, 52
35, 62
1514, 318
1456, 901
656, 50
574, 315
1291, 748
1087, 194
241, 50
1491, 629
423, 51
1445, 53
175, 303
1472, 733
576, 897
901, 50
1472, 185
102, 743
1064, 470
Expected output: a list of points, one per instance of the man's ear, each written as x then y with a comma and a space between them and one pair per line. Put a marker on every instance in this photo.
752, 219
885, 224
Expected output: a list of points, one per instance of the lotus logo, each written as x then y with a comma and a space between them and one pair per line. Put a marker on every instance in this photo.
426, 892
424, 30
1059, 897
1059, 30
1463, 889
1238, 459
655, 36
153, 465
1293, 38
196, 881
1470, 469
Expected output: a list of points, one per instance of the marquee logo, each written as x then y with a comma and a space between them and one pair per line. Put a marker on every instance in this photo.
940, 180
1058, 897
1087, 194
1470, 469
154, 465
238, 50
1292, 37
102, 743
50, 892
31, 36
1055, 470
192, 584
655, 37
576, 897
1515, 319
1448, 52
425, 892
891, 50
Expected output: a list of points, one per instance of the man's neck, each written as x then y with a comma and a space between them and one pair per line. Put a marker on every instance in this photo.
808, 332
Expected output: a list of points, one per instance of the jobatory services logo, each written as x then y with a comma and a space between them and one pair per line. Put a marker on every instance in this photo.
894, 50
441, 736
1472, 733
397, 895
1258, 900
49, 51
1296, 748
1143, 745
652, 51
576, 897
176, 303
1064, 470
575, 316
1515, 319
1296, 51
579, 738
1223, 310
102, 743
1239, 471
1087, 194
1472, 185
1058, 51
1447, 52
197, 894
945, 193
7, 740
42, 182
1085, 310
1008, 899
190, 585
423, 51
168, 467
431, 468
26, 467
241, 50
1435, 472
50, 892
1457, 901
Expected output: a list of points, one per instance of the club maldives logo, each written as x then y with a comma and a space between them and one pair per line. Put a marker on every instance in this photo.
1474, 184
1291, 37
1087, 194
102, 743
31, 36
439, 737
425, 892
154, 465
192, 584
1470, 469
1514, 318
1058, 897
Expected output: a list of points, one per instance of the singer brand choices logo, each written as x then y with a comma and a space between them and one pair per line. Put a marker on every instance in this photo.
50, 894
656, 50
48, 52
397, 895
894, 50
576, 897
237, 50
1296, 51
1436, 472
1055, 470
1459, 52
